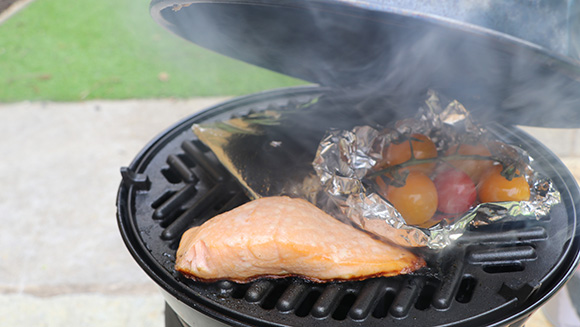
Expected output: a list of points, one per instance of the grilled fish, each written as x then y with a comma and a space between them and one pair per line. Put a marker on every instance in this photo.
279, 237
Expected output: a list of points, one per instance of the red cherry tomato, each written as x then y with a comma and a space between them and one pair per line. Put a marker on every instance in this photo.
456, 191
416, 201
496, 188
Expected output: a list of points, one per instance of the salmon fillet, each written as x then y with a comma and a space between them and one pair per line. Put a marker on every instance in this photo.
279, 237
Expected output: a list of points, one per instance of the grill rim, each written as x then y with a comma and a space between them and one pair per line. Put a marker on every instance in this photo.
572, 245
178, 290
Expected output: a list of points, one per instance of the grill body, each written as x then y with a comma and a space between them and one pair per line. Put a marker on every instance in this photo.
493, 276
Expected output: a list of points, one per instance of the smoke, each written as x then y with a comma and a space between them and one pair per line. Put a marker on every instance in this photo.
521, 73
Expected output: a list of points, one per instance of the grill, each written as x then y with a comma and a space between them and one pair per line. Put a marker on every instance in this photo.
494, 275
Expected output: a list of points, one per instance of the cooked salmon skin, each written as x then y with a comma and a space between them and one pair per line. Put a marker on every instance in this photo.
280, 237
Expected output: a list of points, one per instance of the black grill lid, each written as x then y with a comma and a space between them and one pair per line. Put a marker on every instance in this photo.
372, 47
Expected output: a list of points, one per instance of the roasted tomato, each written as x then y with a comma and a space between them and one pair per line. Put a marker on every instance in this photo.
416, 201
496, 188
423, 148
473, 167
455, 190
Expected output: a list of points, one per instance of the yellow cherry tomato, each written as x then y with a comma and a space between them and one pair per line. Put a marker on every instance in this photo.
416, 201
496, 188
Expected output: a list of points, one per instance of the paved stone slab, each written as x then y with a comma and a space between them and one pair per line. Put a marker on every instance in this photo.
563, 142
87, 310
538, 319
59, 174
573, 164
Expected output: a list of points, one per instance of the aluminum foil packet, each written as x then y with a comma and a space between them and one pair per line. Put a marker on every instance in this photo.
346, 161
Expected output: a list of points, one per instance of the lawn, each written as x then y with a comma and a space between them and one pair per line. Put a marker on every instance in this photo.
69, 50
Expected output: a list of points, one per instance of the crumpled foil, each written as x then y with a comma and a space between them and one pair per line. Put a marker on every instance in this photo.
346, 157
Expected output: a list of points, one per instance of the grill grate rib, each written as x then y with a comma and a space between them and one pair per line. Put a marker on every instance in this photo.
407, 296
174, 202
203, 203
367, 299
328, 300
507, 254
534, 233
198, 156
258, 290
292, 297
182, 169
444, 295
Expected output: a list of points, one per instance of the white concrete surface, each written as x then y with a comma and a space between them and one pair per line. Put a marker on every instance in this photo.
87, 310
62, 259
60, 248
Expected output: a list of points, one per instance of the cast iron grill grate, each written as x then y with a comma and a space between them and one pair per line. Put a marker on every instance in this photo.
490, 270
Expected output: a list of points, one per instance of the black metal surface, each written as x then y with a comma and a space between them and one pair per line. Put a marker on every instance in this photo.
372, 48
494, 276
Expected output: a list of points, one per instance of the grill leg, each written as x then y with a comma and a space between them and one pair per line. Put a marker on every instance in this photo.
171, 318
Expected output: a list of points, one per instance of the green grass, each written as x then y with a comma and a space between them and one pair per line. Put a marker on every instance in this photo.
70, 50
